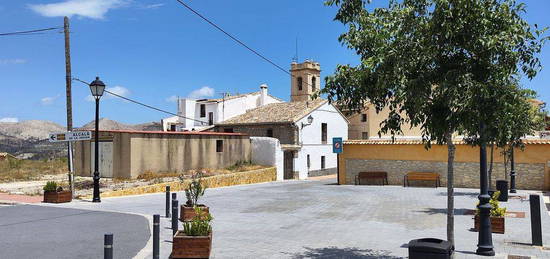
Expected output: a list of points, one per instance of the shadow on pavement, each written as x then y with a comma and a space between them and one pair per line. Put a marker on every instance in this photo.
433, 211
335, 252
472, 194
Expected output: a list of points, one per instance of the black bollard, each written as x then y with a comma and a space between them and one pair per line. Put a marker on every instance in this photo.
174, 197
156, 236
108, 246
536, 228
174, 216
167, 201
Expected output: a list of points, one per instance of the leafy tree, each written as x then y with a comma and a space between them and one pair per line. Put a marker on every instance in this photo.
436, 64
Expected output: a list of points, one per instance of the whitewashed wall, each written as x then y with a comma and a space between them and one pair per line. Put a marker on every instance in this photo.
267, 151
310, 139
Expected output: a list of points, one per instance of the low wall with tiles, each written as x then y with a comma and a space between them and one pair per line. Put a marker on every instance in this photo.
248, 177
532, 164
466, 174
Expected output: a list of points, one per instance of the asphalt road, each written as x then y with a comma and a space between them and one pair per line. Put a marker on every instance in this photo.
28, 231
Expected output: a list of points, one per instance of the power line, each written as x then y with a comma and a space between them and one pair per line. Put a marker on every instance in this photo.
239, 41
143, 104
233, 37
30, 32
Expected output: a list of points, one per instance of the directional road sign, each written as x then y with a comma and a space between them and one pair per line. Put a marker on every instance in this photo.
70, 136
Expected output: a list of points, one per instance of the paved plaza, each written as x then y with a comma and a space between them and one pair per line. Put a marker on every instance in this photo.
319, 219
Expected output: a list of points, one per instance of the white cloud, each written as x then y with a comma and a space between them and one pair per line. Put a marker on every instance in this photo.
203, 92
152, 6
118, 90
48, 100
172, 99
12, 61
94, 9
8, 119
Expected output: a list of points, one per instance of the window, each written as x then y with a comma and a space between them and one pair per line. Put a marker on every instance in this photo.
219, 146
365, 135
364, 117
314, 83
308, 162
324, 133
299, 82
228, 130
270, 133
210, 118
203, 110
322, 162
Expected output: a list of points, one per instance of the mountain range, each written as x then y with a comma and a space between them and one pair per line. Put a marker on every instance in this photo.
29, 139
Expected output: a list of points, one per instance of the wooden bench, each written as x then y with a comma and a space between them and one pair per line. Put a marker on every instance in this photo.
371, 175
421, 176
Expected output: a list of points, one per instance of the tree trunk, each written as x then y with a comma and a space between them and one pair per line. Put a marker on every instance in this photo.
450, 188
491, 167
505, 158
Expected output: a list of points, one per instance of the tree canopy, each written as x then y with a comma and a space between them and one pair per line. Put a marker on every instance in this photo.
442, 65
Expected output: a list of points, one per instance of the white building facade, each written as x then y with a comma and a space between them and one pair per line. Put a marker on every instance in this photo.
202, 114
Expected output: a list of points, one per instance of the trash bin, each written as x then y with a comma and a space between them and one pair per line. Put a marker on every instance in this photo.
502, 186
432, 248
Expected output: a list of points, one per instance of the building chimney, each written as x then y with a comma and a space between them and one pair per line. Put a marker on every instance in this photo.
263, 94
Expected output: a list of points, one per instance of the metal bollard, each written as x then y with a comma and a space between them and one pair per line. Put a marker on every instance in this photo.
108, 246
167, 201
156, 236
174, 216
536, 228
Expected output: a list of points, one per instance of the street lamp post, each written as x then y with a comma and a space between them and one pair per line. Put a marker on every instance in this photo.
96, 87
485, 240
512, 171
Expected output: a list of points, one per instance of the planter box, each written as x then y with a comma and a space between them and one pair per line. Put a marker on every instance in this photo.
191, 247
58, 197
497, 224
188, 213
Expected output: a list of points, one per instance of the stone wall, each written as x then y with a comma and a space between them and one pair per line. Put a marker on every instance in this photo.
321, 172
466, 174
248, 177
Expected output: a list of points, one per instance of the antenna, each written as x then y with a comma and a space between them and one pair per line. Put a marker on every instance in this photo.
296, 58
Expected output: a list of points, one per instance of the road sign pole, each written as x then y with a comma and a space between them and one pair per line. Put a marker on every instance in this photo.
71, 169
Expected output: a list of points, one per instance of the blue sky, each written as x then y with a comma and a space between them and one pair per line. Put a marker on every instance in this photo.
152, 50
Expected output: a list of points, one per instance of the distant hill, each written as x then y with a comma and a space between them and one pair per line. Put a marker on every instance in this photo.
107, 124
29, 139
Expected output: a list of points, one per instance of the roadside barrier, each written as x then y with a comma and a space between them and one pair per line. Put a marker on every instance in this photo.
156, 236
108, 246
174, 216
167, 201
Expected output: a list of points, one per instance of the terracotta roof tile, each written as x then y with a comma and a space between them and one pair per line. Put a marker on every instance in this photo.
286, 112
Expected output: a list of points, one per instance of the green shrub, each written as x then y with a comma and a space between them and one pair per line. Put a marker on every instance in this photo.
239, 165
50, 186
194, 190
496, 210
200, 225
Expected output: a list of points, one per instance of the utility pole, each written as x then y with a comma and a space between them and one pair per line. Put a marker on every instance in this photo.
68, 81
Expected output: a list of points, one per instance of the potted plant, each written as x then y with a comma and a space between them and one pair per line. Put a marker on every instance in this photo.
195, 240
193, 192
55, 194
496, 216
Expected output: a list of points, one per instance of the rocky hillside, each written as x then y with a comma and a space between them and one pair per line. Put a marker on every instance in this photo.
106, 124
29, 139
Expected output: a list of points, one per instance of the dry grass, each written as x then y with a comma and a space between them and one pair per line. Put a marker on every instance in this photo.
24, 170
240, 166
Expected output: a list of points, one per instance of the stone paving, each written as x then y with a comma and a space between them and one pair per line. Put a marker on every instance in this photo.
318, 219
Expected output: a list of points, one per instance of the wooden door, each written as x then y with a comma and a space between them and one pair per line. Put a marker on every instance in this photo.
105, 159
288, 165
